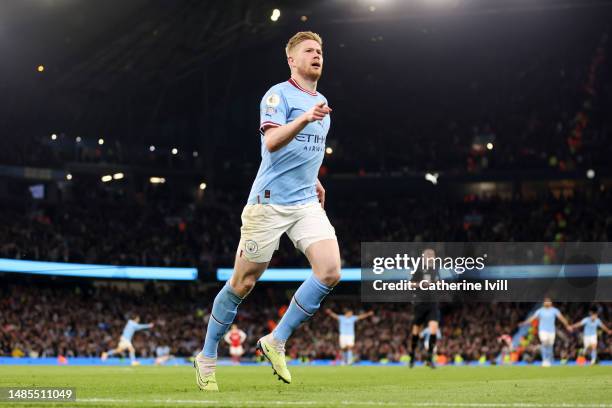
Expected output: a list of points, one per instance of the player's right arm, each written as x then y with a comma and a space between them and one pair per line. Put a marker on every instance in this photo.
577, 325
531, 319
331, 314
278, 137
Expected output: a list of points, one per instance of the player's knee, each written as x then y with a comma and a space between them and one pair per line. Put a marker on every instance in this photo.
330, 274
244, 285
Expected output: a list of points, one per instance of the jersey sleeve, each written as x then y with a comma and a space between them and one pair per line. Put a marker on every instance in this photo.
557, 312
273, 110
584, 321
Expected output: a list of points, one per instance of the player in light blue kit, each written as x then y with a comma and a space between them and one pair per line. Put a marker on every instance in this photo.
426, 334
125, 342
589, 335
346, 331
286, 197
547, 316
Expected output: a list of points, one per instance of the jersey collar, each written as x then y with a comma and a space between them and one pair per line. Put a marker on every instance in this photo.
294, 83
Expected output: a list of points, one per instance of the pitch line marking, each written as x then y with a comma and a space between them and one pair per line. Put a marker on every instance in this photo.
353, 403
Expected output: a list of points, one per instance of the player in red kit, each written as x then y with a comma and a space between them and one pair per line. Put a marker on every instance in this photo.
235, 337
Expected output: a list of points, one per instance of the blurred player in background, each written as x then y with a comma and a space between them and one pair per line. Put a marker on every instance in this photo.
125, 342
589, 336
235, 338
286, 197
427, 312
425, 335
547, 315
505, 341
162, 355
346, 329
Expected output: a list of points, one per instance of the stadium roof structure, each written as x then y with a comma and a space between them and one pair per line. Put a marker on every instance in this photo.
191, 71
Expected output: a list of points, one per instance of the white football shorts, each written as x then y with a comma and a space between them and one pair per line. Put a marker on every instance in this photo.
346, 340
236, 351
590, 341
125, 343
264, 224
547, 338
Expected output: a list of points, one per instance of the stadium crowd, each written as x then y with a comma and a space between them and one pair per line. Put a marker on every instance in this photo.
71, 320
170, 233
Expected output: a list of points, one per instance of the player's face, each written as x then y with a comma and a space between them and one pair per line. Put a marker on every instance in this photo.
547, 303
307, 59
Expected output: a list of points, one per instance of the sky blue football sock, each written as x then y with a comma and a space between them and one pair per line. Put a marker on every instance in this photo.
544, 352
224, 310
549, 353
305, 303
594, 354
349, 357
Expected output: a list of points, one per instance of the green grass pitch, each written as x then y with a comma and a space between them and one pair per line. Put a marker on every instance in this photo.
477, 387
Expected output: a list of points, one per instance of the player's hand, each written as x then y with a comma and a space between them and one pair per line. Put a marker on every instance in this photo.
321, 193
317, 112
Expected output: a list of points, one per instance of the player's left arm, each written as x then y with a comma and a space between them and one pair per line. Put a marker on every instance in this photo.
144, 326
365, 315
320, 193
564, 321
604, 327
243, 336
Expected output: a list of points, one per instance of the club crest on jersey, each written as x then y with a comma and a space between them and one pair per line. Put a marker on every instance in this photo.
273, 100
250, 246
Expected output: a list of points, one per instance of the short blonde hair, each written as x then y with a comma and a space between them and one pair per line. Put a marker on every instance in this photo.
300, 37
